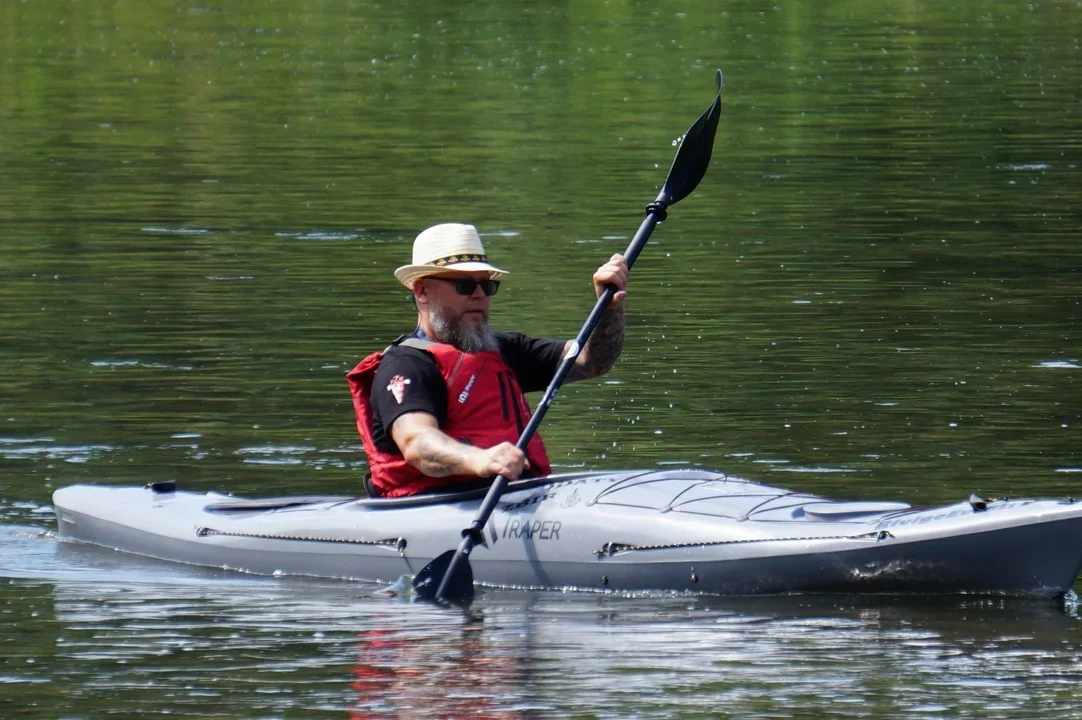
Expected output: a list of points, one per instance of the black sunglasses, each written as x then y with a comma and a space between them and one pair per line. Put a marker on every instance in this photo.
466, 286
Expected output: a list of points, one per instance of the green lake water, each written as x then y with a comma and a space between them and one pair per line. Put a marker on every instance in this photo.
873, 294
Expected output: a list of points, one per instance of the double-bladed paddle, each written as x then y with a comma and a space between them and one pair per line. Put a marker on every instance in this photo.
449, 576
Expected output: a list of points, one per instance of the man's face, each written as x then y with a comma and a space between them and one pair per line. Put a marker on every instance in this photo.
443, 292
458, 319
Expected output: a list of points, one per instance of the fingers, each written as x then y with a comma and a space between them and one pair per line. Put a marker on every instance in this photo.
507, 460
614, 273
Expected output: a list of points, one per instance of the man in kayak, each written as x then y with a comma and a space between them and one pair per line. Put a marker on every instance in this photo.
446, 405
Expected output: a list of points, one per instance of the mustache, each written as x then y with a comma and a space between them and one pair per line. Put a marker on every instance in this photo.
458, 333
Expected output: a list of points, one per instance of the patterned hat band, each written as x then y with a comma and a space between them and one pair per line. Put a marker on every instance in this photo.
455, 259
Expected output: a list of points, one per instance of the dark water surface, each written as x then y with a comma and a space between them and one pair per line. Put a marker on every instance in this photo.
873, 294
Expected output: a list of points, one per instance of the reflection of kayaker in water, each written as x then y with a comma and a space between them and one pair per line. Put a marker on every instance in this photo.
445, 405
442, 674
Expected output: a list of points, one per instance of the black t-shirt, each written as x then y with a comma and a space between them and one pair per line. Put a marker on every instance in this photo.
420, 386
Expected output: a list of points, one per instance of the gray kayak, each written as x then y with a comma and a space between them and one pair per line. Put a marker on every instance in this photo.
670, 530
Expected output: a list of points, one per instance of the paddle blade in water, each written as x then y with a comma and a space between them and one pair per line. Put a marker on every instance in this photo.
458, 585
693, 157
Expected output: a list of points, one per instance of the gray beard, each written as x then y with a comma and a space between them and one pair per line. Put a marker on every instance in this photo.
461, 335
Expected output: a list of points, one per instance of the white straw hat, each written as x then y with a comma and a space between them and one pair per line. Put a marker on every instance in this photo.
447, 247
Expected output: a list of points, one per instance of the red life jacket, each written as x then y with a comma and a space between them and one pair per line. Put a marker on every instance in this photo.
485, 406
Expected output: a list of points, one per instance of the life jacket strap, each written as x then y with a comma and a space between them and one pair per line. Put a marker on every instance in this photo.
411, 342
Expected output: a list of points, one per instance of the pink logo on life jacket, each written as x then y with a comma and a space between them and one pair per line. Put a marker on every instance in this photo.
397, 386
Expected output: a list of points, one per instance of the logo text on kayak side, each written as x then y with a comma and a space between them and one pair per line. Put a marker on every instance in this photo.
532, 500
525, 530
923, 518
550, 493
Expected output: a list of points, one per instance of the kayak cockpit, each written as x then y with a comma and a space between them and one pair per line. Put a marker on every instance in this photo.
685, 490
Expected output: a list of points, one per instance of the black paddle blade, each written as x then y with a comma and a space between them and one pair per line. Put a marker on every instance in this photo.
693, 157
457, 581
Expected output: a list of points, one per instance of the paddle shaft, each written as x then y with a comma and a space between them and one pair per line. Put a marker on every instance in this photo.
472, 536
688, 168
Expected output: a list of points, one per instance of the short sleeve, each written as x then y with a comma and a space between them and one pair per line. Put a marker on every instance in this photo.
407, 380
533, 360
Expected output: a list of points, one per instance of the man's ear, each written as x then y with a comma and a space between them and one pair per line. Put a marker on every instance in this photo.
420, 293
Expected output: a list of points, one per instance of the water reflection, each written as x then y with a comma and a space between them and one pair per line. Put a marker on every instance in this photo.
136, 636
549, 656
470, 673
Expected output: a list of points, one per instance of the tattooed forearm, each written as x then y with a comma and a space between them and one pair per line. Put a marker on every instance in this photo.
603, 347
438, 455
